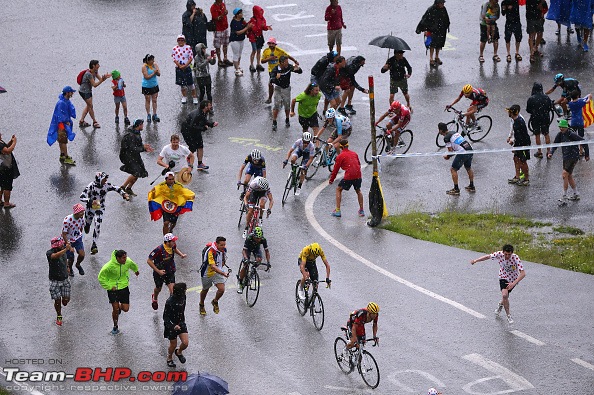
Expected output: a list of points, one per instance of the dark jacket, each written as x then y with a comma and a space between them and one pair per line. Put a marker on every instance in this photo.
512, 17
321, 65
539, 105
130, 151
195, 31
330, 78
174, 312
437, 21
571, 151
284, 79
195, 123
354, 63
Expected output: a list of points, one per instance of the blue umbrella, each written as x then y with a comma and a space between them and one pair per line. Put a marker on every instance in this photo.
201, 384
2, 90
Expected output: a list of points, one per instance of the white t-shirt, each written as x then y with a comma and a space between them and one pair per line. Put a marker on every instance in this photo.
509, 269
179, 156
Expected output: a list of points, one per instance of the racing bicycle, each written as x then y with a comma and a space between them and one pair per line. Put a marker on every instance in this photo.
385, 139
324, 157
251, 280
292, 180
312, 302
359, 357
242, 207
257, 215
477, 132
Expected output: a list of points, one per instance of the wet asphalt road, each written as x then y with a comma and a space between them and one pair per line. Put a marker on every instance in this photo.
270, 348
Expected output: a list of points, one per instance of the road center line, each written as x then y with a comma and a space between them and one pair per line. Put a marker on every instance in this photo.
309, 212
270, 7
527, 337
583, 363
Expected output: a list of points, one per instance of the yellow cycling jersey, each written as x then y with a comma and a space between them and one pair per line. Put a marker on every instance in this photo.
307, 255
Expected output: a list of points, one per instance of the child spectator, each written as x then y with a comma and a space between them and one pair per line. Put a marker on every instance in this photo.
119, 96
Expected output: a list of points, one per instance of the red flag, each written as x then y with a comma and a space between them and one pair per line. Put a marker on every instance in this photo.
588, 113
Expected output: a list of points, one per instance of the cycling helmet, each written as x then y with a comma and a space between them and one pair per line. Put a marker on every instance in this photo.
263, 183
432, 391
395, 105
467, 89
256, 154
330, 113
306, 137
373, 308
316, 249
559, 78
258, 232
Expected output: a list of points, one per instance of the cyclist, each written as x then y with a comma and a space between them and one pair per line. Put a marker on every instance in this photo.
479, 101
400, 118
307, 265
305, 149
254, 165
257, 193
568, 85
342, 127
251, 246
357, 321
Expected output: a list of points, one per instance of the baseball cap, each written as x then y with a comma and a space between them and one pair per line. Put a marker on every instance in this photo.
272, 40
115, 74
169, 174
78, 208
169, 237
68, 89
57, 242
182, 37
237, 11
563, 123
138, 122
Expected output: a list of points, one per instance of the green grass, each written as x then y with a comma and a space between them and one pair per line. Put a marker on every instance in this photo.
533, 240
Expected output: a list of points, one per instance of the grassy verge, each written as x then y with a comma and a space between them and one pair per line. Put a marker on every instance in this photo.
560, 246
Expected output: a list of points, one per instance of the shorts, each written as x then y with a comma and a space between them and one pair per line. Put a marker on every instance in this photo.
569, 165
77, 245
119, 99
494, 36
258, 44
311, 268
121, 295
534, 26
60, 289
221, 38
334, 37
522, 155
395, 84
257, 253
579, 130
311, 122
183, 77
196, 142
346, 184
540, 128
480, 104
237, 48
85, 96
150, 91
255, 197
462, 160
282, 97
168, 278
345, 133
334, 94
172, 334
345, 83
503, 284
167, 217
514, 29
255, 171
62, 136
216, 278
303, 154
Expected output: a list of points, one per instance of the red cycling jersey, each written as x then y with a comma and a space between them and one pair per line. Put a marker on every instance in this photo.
403, 115
478, 96
359, 317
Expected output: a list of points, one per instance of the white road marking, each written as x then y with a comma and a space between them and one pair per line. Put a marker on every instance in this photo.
527, 337
310, 25
246, 2
515, 381
319, 51
23, 385
270, 7
583, 363
309, 210
317, 35
292, 17
428, 376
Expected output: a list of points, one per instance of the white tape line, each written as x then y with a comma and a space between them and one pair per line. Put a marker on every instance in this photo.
583, 363
528, 338
270, 7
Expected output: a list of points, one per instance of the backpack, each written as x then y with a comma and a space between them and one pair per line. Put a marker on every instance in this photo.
204, 259
80, 76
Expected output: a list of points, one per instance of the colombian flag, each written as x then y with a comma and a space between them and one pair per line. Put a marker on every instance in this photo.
175, 200
588, 113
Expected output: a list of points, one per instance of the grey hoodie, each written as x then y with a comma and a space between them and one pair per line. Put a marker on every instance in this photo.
201, 62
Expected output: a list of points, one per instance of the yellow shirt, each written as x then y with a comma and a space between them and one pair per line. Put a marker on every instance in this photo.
308, 256
278, 52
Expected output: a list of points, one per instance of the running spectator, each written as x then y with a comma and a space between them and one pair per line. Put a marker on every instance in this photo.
490, 13
535, 12
72, 234
571, 155
436, 24
130, 150
179, 154
169, 199
348, 83
513, 26
202, 70
271, 55
281, 78
195, 123
539, 107
519, 137
511, 272
9, 171
114, 278
455, 142
400, 71
150, 86
239, 27
194, 25
348, 161
174, 320
581, 17
214, 258
58, 275
308, 107
333, 16
321, 65
330, 83
183, 55
221, 34
162, 261
576, 122
119, 97
61, 125
256, 38
90, 79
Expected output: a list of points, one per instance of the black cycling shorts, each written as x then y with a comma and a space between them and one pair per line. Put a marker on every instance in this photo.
311, 268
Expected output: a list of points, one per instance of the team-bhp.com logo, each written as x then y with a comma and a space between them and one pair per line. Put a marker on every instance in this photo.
94, 375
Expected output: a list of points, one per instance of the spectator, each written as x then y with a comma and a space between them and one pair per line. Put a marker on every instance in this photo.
72, 234
559, 11
256, 38
202, 71
400, 71
455, 142
239, 27
348, 161
321, 65
330, 83
308, 108
90, 79
212, 273
182, 56
119, 97
576, 107
535, 11
58, 275
335, 25
348, 84
519, 137
195, 123
9, 170
179, 154
281, 78
174, 320
539, 108
513, 26
150, 86
221, 34
493, 7
61, 125
194, 25
581, 17
130, 150
271, 55
436, 24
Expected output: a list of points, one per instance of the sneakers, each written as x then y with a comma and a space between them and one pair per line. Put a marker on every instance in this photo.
498, 309
126, 121
62, 157
80, 270
298, 191
361, 213
287, 123
453, 192
245, 232
574, 197
342, 111
156, 118
71, 273
129, 191
523, 183
538, 155
184, 100
349, 108
154, 302
274, 126
59, 320
470, 188
228, 62
171, 364
148, 116
301, 293
195, 100
181, 357
509, 319
215, 306
268, 101
252, 69
513, 180
336, 213
202, 166
117, 119
259, 67
115, 330
94, 249
562, 201
586, 48
67, 160
202, 309
238, 73
240, 288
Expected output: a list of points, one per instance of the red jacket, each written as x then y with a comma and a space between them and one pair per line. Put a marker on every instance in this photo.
348, 161
335, 21
217, 10
259, 24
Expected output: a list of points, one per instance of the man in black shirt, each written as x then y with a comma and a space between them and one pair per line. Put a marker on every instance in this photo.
400, 71
195, 123
513, 26
281, 78
539, 108
519, 137
535, 11
58, 275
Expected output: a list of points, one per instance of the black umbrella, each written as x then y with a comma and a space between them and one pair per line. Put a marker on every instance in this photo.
392, 42
2, 90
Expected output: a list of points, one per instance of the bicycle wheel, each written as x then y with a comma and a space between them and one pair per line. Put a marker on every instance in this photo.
316, 308
288, 187
331, 158
300, 303
481, 129
452, 127
404, 142
315, 164
379, 144
368, 369
252, 289
342, 355
242, 209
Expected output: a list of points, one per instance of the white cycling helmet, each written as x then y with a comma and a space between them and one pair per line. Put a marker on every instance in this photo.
306, 137
330, 113
263, 183
432, 391
256, 154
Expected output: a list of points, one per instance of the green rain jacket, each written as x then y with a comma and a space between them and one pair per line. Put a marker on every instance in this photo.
113, 274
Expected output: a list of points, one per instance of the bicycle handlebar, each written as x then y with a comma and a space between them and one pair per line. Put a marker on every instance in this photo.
448, 109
